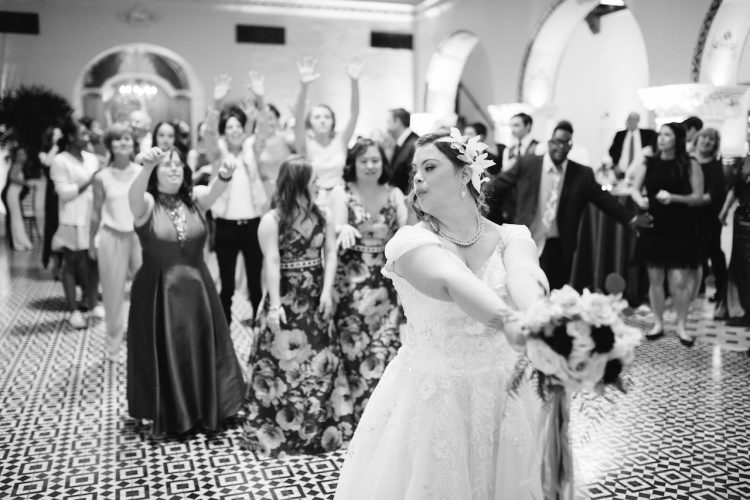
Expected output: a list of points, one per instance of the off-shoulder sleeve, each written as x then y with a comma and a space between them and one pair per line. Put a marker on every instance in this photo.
520, 253
405, 240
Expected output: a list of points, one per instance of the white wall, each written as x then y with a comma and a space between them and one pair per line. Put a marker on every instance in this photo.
598, 79
73, 32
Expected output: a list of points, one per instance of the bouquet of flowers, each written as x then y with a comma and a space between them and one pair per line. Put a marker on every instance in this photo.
576, 342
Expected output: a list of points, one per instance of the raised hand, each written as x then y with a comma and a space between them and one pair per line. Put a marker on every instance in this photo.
255, 84
227, 168
222, 86
306, 69
152, 157
354, 67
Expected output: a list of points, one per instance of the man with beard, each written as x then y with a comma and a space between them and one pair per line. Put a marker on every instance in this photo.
552, 193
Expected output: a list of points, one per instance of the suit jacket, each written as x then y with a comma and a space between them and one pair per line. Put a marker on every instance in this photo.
400, 166
579, 188
648, 138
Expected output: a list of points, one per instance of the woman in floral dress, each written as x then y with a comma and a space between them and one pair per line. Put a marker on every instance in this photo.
367, 213
294, 361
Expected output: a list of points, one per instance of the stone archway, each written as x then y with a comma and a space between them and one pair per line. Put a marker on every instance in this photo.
444, 75
135, 70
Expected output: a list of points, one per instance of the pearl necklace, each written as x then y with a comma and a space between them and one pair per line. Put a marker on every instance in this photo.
462, 243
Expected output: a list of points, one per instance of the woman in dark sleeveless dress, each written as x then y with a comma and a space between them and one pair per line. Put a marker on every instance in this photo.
295, 366
674, 185
739, 262
182, 369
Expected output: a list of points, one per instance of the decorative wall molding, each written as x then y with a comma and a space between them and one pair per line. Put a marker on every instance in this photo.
138, 16
710, 102
708, 19
527, 51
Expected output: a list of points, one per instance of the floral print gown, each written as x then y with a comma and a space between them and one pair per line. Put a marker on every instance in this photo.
291, 389
368, 314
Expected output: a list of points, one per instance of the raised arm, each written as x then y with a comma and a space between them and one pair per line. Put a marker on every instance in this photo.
435, 273
141, 202
307, 75
222, 86
262, 127
354, 70
96, 215
206, 196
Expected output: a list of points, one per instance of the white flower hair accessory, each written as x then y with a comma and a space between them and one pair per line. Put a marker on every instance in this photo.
470, 152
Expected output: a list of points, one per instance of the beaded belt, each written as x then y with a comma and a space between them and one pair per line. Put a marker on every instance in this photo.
301, 264
368, 249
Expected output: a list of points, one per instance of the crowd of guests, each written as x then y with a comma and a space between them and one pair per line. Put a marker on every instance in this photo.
311, 216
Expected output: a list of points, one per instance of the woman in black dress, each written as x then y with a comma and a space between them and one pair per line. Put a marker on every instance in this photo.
739, 262
674, 185
183, 372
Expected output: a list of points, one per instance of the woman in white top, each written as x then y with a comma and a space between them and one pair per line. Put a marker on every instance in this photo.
440, 423
73, 171
118, 251
238, 210
315, 134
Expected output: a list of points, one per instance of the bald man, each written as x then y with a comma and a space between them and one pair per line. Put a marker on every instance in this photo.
628, 145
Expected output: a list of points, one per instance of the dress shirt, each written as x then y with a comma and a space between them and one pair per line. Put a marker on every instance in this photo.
513, 146
549, 172
624, 164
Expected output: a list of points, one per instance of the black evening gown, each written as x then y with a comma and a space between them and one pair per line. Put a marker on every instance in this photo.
182, 369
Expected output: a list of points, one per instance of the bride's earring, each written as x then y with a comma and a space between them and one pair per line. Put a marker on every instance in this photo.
463, 191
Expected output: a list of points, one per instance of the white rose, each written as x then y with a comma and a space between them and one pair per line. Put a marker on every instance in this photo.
580, 332
543, 357
567, 299
540, 313
586, 371
598, 309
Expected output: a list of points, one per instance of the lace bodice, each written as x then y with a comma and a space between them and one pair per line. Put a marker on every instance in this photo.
440, 331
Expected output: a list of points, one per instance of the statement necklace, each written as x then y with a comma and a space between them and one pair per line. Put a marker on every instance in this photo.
461, 243
176, 212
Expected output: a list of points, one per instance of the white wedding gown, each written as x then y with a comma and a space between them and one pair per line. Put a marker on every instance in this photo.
440, 424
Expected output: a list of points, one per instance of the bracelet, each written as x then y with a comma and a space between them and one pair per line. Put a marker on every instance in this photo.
224, 179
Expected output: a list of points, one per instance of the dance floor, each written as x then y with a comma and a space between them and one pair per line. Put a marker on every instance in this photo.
682, 431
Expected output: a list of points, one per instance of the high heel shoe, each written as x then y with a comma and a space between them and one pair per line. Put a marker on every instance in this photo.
687, 342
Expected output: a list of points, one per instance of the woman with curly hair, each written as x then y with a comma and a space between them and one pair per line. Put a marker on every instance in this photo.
292, 399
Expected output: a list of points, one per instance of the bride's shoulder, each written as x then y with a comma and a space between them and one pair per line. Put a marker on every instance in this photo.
408, 238
511, 232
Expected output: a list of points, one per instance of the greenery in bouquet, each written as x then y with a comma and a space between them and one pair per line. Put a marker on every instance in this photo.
577, 342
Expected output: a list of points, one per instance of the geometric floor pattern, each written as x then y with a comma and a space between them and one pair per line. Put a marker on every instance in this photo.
682, 431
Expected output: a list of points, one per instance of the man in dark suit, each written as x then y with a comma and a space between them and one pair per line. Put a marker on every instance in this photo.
552, 193
400, 165
628, 145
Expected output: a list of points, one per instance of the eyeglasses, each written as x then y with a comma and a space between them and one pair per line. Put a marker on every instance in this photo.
560, 143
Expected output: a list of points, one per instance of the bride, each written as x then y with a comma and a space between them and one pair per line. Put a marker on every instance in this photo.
440, 423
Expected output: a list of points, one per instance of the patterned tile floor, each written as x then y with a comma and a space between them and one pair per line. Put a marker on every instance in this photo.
683, 430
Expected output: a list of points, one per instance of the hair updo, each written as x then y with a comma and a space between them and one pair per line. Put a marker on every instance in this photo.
452, 154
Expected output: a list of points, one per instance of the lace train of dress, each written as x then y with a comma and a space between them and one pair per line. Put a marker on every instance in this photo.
440, 424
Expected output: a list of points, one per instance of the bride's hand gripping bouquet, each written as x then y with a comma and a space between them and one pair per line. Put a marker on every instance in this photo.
574, 342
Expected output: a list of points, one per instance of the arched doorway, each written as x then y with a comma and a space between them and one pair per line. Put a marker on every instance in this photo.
451, 83
138, 76
586, 65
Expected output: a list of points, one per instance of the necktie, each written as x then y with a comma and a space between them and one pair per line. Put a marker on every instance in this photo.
550, 208
631, 149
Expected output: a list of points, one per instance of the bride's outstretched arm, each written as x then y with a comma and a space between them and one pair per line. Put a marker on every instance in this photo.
436, 274
526, 282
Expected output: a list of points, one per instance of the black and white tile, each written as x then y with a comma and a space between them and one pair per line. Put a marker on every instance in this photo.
682, 431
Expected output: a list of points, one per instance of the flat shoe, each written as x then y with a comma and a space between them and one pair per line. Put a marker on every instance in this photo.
655, 335
686, 342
